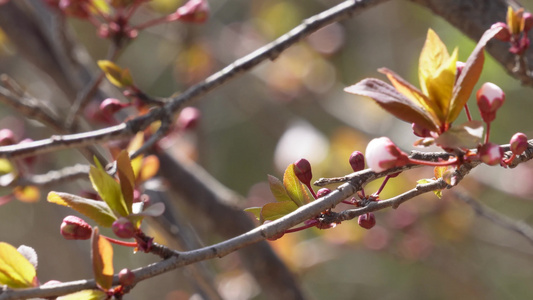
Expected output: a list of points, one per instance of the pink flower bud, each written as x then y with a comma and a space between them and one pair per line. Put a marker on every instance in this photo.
323, 192
367, 220
123, 228
519, 143
382, 154
75, 8
504, 34
357, 161
111, 105
490, 98
491, 154
74, 228
194, 11
303, 171
126, 277
527, 21
7, 137
188, 118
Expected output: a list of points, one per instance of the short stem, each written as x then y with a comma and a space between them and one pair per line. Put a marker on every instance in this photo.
468, 116
487, 134
349, 202
510, 160
382, 186
311, 189
450, 162
308, 225
151, 23
118, 242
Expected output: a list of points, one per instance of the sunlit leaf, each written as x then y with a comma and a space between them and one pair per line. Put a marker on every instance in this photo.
395, 103
470, 75
136, 143
275, 210
154, 210
440, 86
30, 254
295, 189
115, 74
464, 136
102, 257
255, 210
109, 190
126, 177
278, 189
15, 270
150, 167
6, 166
85, 295
28, 193
98, 211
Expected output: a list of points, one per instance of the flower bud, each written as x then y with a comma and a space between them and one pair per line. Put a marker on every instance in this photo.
74, 228
357, 161
188, 118
194, 11
303, 171
111, 105
518, 143
323, 192
123, 228
491, 154
7, 137
504, 34
75, 8
126, 277
382, 154
490, 98
527, 21
367, 220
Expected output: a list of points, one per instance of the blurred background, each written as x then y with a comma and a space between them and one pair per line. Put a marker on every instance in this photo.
290, 108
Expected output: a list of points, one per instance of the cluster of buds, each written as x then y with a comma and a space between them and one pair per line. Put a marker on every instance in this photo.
515, 30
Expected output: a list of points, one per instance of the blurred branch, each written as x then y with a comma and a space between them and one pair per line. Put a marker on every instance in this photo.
486, 212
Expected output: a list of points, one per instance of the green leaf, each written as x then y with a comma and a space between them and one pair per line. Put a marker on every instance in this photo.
115, 74
6, 166
278, 189
295, 189
255, 210
98, 211
470, 75
102, 257
15, 270
464, 136
275, 210
85, 295
109, 190
126, 177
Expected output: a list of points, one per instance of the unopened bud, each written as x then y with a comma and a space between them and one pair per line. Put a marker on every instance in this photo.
111, 105
75, 8
382, 154
126, 277
7, 137
519, 143
194, 11
303, 171
123, 228
490, 98
188, 118
357, 161
504, 34
323, 192
74, 228
491, 154
367, 220
527, 21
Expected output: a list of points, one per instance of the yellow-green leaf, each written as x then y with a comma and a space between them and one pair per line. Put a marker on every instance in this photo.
6, 166
102, 257
278, 189
98, 211
85, 295
115, 74
126, 177
27, 193
440, 86
295, 189
136, 143
150, 166
433, 56
15, 270
275, 210
109, 190
255, 210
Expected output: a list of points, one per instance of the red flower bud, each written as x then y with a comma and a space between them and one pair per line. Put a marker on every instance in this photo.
382, 154
367, 220
75, 8
188, 118
357, 161
519, 143
323, 192
123, 228
527, 21
303, 171
74, 228
194, 11
504, 34
126, 277
490, 98
7, 137
111, 105
491, 154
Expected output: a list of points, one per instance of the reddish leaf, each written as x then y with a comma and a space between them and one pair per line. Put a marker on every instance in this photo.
102, 257
392, 101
